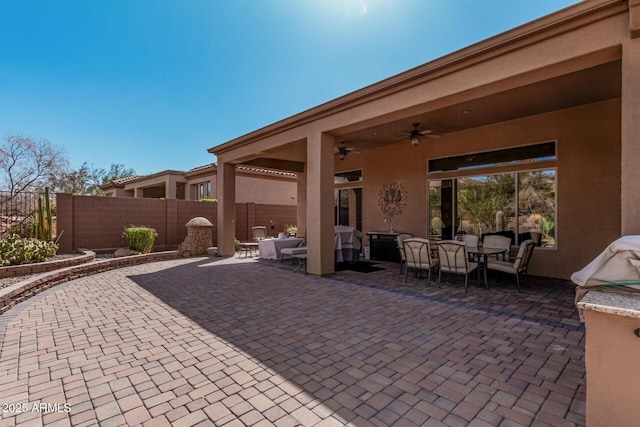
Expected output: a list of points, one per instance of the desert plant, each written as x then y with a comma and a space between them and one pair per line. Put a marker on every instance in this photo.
44, 218
15, 250
26, 228
140, 239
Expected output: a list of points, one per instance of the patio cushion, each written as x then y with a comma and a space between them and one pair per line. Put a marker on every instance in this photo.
293, 251
504, 266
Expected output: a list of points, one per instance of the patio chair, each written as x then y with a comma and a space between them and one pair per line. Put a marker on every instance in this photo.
519, 265
468, 239
452, 255
471, 240
400, 241
418, 257
259, 232
497, 241
301, 249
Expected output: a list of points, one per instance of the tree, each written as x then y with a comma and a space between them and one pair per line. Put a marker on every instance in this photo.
87, 179
116, 171
480, 199
28, 164
73, 181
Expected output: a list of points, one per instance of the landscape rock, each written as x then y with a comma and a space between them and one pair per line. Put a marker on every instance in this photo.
122, 252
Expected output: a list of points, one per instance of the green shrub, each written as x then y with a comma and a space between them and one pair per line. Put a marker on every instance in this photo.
140, 239
15, 250
208, 199
25, 229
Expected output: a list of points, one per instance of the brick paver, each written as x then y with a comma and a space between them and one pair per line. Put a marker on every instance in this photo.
212, 341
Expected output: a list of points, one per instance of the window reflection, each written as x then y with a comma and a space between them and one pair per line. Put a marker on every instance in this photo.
536, 206
486, 204
518, 205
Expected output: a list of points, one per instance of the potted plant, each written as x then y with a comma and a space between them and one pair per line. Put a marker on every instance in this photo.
291, 230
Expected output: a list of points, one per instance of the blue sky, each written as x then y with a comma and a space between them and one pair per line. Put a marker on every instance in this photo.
153, 84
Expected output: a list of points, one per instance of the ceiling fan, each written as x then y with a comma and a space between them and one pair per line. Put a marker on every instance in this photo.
415, 134
343, 150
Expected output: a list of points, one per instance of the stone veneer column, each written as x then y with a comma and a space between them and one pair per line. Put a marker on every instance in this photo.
630, 127
226, 191
320, 204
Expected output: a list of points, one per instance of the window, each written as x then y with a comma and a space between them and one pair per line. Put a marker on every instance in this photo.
509, 156
537, 206
519, 205
346, 177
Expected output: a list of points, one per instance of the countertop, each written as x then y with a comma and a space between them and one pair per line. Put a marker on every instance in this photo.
622, 304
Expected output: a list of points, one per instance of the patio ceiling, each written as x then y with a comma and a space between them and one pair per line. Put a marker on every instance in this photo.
594, 84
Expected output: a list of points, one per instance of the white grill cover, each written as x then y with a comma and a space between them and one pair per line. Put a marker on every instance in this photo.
619, 263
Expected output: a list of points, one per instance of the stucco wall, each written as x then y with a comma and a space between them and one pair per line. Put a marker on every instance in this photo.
266, 191
251, 214
588, 178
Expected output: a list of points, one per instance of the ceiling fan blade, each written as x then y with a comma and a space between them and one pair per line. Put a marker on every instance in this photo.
433, 135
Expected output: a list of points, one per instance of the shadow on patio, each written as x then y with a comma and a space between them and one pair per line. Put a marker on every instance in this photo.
368, 348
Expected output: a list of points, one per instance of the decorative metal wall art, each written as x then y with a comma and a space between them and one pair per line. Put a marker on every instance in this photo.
391, 199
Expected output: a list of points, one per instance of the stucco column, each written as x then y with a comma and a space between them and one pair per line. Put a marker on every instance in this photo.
630, 136
301, 197
170, 187
226, 190
320, 240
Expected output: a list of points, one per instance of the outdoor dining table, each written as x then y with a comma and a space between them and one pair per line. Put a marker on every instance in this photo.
482, 253
270, 248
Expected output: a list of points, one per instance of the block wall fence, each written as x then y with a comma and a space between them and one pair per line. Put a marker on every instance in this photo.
97, 223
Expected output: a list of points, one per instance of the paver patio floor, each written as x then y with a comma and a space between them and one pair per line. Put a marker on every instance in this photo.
212, 341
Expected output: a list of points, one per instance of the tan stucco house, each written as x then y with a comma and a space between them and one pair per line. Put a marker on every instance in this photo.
551, 105
254, 185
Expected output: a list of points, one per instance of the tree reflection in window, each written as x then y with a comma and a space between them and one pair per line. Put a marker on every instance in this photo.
537, 205
521, 205
486, 204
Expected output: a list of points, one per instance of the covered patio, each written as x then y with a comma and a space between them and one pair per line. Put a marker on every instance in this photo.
563, 89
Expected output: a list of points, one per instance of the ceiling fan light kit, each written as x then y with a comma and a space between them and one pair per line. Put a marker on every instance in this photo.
416, 134
343, 150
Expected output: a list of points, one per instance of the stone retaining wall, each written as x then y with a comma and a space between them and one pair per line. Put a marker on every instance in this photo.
25, 289
43, 267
